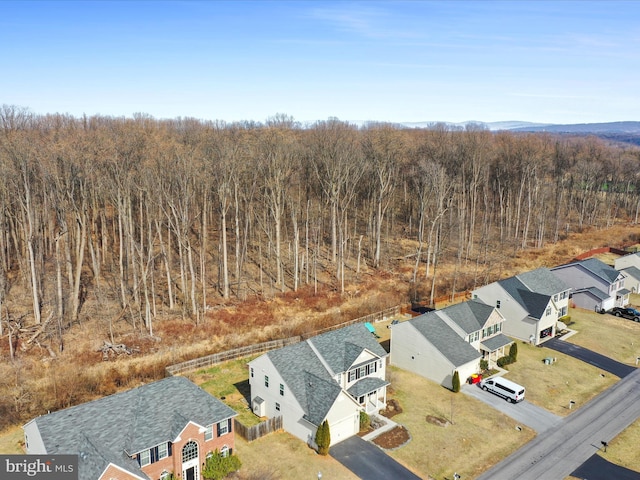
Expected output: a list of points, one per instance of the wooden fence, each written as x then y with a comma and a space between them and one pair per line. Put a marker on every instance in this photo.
252, 433
371, 318
240, 352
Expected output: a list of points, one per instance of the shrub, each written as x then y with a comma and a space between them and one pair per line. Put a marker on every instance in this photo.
365, 421
484, 365
513, 352
504, 361
323, 438
217, 467
455, 382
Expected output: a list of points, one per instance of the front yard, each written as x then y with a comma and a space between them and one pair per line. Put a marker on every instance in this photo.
553, 386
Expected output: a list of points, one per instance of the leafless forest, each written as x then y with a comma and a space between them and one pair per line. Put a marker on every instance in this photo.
143, 220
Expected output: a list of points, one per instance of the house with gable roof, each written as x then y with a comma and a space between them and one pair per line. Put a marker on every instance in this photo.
333, 376
438, 343
629, 265
531, 303
147, 433
594, 284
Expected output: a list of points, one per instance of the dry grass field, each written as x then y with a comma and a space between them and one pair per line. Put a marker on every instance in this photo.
11, 441
553, 386
478, 438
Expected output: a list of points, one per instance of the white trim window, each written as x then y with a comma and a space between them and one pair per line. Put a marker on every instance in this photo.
144, 457
163, 451
208, 433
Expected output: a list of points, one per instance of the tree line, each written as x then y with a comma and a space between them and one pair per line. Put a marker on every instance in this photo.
176, 215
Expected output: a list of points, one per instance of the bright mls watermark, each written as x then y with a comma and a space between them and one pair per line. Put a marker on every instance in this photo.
39, 467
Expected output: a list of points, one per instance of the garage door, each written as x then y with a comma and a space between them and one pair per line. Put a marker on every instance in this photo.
345, 428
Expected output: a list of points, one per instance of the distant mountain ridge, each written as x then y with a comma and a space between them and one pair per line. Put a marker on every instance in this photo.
520, 126
621, 132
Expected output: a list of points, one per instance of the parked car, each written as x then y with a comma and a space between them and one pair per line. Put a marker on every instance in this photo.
627, 312
507, 389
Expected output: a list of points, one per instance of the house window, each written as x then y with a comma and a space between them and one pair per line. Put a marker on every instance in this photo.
224, 451
361, 372
163, 451
277, 407
144, 457
224, 427
555, 297
266, 381
189, 451
165, 475
208, 433
548, 311
251, 370
282, 389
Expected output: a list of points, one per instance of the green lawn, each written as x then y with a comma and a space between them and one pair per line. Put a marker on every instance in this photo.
229, 382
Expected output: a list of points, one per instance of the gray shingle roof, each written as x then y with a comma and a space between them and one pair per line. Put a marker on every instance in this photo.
471, 316
306, 375
340, 348
129, 422
367, 385
596, 292
542, 280
496, 342
534, 303
632, 271
442, 337
601, 269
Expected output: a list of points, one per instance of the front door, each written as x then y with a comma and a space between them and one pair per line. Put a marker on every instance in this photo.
190, 461
190, 474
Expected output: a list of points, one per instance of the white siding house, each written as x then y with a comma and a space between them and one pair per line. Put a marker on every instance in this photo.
594, 284
531, 303
438, 343
333, 377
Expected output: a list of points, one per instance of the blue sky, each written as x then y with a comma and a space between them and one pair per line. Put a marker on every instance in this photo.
400, 61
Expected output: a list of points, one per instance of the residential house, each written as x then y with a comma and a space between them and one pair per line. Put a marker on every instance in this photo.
169, 426
594, 284
629, 265
438, 343
531, 303
333, 377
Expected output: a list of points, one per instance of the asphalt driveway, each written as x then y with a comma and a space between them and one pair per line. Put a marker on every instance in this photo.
598, 468
605, 363
368, 461
523, 412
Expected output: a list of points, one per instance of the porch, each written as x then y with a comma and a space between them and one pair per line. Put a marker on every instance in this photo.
494, 348
370, 393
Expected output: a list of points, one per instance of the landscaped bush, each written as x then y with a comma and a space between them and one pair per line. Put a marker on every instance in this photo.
504, 361
455, 382
513, 352
365, 421
323, 438
484, 365
217, 467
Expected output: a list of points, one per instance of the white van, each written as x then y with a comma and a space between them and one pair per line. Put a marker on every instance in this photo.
505, 388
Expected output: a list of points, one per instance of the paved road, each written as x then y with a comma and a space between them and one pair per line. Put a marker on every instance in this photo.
605, 363
368, 461
524, 412
563, 448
